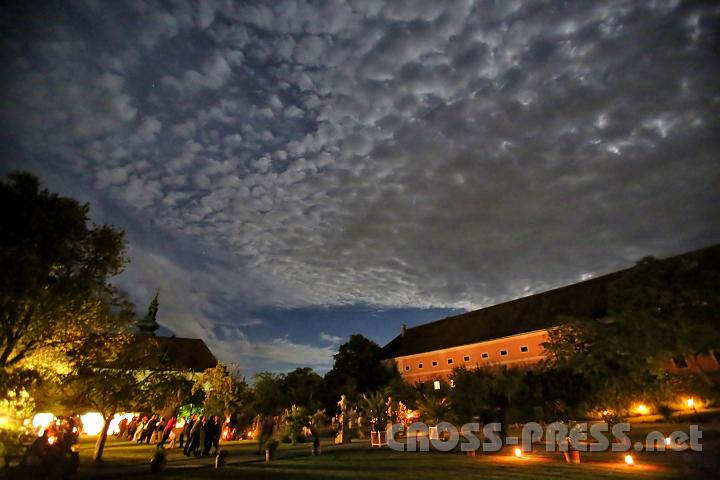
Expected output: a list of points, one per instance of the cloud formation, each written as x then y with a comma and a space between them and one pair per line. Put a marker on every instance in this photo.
423, 154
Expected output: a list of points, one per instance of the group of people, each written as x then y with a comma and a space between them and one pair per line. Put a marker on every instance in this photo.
197, 435
155, 429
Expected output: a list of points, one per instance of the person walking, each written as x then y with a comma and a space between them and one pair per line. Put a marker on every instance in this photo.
187, 428
150, 429
194, 443
166, 432
217, 432
206, 436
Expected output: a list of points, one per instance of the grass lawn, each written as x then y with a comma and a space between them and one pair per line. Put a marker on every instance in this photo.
125, 459
386, 464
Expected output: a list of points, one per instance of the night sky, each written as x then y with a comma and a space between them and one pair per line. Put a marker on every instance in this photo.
291, 172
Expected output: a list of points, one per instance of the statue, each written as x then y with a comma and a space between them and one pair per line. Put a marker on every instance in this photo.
343, 435
149, 324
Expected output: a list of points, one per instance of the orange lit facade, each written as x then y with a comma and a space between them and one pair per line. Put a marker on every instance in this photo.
697, 364
512, 333
516, 350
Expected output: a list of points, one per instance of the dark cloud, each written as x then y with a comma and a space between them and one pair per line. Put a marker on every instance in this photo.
434, 154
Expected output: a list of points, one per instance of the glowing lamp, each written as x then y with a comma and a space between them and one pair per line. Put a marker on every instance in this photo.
518, 452
436, 384
42, 420
667, 440
92, 423
690, 402
629, 460
642, 408
51, 440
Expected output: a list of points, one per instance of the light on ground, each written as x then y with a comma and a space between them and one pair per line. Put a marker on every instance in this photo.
690, 402
629, 460
642, 409
518, 452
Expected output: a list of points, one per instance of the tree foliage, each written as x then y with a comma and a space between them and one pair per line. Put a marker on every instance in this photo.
225, 390
657, 311
358, 369
375, 406
54, 290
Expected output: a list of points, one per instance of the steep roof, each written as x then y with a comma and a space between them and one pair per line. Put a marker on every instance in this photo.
182, 353
521, 315
526, 314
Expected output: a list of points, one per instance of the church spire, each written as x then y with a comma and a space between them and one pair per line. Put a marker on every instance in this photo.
149, 324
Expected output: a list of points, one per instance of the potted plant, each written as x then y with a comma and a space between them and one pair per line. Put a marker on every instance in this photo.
376, 408
270, 448
572, 454
158, 462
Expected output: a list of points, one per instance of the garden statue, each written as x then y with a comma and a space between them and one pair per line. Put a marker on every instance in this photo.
343, 435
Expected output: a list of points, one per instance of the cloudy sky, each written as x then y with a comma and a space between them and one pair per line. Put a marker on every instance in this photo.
291, 172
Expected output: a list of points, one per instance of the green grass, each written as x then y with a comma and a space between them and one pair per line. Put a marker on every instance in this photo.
386, 464
124, 459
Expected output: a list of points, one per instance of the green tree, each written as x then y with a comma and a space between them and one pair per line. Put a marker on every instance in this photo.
358, 369
302, 388
225, 390
54, 290
657, 311
293, 421
268, 393
128, 377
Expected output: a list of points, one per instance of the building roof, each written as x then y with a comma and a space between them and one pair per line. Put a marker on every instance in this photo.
526, 314
182, 353
522, 315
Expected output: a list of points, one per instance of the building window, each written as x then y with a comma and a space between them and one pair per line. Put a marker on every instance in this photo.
524, 349
466, 358
407, 368
449, 361
434, 364
420, 365
452, 383
503, 353
436, 384
484, 355
680, 362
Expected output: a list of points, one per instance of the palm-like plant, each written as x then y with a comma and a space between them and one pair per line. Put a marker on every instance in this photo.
375, 406
434, 409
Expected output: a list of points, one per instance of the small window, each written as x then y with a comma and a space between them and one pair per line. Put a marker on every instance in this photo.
680, 362
407, 368
466, 358
420, 365
484, 355
436, 384
524, 349
452, 383
449, 361
503, 353
434, 364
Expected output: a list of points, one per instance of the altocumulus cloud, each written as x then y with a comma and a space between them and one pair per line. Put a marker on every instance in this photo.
424, 154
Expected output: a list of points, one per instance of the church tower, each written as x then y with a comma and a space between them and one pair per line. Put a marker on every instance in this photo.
149, 324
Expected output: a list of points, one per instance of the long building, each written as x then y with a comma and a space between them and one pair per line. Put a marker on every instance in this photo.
510, 333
